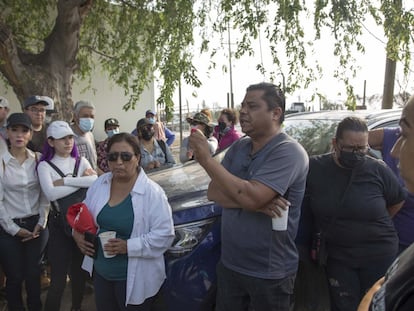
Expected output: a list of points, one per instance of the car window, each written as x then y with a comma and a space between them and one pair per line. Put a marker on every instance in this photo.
315, 131
314, 135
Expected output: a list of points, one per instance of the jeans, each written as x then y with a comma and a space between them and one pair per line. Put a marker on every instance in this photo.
347, 285
237, 292
110, 296
65, 258
21, 262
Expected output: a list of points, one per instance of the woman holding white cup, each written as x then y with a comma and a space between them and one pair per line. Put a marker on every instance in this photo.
126, 201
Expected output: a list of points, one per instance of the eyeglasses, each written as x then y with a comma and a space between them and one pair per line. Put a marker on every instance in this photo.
125, 156
36, 110
354, 149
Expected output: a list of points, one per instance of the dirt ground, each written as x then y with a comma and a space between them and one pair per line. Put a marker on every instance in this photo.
88, 303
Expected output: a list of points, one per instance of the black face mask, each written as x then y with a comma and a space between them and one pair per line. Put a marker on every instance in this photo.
222, 126
350, 159
147, 135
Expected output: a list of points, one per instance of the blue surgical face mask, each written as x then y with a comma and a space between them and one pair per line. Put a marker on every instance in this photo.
111, 133
86, 124
151, 120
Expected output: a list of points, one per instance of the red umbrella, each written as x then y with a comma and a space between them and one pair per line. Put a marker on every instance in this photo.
80, 219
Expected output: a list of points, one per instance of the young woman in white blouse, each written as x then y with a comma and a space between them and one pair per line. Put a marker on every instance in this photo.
23, 212
60, 158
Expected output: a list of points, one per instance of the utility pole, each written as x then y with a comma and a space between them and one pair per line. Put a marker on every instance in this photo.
389, 80
363, 98
230, 98
180, 110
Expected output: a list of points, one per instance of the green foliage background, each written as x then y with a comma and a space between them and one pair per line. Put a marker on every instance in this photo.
133, 39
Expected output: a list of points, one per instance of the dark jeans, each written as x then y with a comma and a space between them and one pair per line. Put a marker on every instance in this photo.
21, 262
347, 285
110, 296
402, 248
237, 292
65, 258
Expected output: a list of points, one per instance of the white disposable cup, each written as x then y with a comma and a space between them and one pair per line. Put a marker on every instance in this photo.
280, 223
105, 237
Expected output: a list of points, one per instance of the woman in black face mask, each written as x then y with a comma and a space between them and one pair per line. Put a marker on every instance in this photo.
225, 132
154, 153
351, 198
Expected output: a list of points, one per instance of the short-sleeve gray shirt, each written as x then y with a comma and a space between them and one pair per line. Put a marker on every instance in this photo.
249, 245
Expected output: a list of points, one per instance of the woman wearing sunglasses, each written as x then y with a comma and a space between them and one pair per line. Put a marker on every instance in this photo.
130, 274
64, 176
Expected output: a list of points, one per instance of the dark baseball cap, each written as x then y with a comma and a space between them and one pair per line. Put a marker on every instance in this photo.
19, 118
36, 99
111, 122
149, 111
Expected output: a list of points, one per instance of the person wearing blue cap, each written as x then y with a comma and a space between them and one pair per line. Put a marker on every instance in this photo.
23, 214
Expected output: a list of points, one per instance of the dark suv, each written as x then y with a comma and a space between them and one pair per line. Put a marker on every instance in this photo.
191, 261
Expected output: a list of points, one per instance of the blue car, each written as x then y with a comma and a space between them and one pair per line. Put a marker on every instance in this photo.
191, 261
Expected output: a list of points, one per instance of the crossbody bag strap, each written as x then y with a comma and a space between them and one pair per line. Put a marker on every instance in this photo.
341, 202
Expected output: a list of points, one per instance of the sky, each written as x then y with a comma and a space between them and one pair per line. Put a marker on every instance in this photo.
216, 84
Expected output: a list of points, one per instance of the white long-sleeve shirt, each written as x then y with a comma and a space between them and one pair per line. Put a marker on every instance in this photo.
20, 192
152, 234
47, 175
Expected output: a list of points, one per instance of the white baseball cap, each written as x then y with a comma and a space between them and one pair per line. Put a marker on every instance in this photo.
59, 129
3, 102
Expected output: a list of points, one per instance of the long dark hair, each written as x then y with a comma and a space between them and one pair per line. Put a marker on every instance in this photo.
350, 124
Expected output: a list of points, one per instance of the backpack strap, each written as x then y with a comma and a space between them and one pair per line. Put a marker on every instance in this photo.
55, 168
163, 146
75, 169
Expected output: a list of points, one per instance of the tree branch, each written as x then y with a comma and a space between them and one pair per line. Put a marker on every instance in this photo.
10, 65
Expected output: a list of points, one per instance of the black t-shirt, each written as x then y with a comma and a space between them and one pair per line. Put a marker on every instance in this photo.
397, 292
38, 140
363, 230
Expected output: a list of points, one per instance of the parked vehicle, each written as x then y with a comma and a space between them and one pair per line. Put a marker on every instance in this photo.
315, 130
191, 260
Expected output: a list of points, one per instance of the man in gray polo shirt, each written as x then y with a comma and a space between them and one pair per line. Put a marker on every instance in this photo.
258, 265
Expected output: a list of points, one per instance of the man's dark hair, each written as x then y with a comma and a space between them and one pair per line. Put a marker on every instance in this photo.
350, 124
273, 96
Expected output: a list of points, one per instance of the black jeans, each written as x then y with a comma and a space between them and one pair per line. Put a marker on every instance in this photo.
65, 258
347, 285
21, 262
238, 292
110, 296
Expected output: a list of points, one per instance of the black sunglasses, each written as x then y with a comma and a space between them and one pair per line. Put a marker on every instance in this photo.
125, 156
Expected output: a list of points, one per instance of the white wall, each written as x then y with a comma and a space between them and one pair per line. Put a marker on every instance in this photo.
108, 99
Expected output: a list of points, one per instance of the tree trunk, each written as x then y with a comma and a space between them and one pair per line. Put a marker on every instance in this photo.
50, 71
